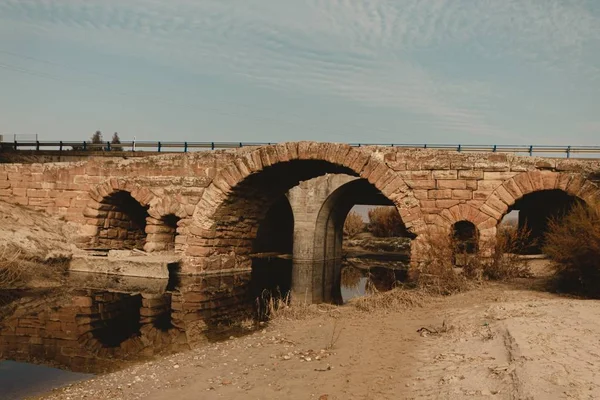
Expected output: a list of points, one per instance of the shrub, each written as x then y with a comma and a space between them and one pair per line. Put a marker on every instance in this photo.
386, 222
436, 272
506, 261
573, 242
354, 224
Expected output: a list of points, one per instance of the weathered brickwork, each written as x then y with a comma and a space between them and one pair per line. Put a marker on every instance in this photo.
218, 198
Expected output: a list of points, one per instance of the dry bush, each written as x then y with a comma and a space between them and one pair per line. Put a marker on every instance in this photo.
386, 222
506, 261
436, 271
354, 224
397, 299
573, 242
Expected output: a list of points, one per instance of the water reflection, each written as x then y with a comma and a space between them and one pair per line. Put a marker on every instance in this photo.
359, 281
97, 323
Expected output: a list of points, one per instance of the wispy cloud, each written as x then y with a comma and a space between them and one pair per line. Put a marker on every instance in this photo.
357, 50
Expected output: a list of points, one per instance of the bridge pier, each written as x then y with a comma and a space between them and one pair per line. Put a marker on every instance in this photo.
317, 239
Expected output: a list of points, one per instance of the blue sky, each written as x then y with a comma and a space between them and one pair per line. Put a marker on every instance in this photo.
404, 71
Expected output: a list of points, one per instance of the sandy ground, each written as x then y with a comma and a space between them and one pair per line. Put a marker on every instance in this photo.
496, 342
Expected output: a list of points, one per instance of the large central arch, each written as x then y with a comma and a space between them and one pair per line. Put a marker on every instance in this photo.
226, 219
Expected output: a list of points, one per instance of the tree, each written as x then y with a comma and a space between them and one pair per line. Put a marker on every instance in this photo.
97, 137
115, 141
386, 222
354, 224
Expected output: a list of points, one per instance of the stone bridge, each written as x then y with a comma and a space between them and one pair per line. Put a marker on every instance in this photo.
217, 208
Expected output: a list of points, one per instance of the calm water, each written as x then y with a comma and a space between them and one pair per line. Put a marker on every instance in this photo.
19, 380
99, 323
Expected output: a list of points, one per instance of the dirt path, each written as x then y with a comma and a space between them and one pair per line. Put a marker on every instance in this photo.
494, 342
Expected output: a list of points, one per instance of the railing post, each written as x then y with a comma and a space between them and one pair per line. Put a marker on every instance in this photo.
185, 147
459, 147
568, 151
60, 146
159, 146
212, 145
107, 146
531, 150
494, 149
424, 146
15, 144
84, 145
37, 145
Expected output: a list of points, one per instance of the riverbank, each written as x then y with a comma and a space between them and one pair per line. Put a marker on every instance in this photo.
499, 340
35, 248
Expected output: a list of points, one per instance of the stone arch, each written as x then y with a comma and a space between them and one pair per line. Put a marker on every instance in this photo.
526, 183
515, 188
213, 232
155, 228
465, 236
327, 242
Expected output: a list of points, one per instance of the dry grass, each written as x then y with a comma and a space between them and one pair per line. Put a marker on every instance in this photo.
397, 299
18, 268
275, 307
573, 242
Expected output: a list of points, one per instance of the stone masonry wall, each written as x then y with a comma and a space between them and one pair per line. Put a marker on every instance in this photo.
432, 189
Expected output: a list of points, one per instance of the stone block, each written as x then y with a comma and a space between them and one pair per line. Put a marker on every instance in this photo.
420, 175
445, 174
421, 184
471, 184
460, 194
505, 196
535, 177
498, 175
439, 194
488, 185
491, 211
523, 182
420, 194
451, 184
549, 179
512, 188
446, 203
470, 174
497, 204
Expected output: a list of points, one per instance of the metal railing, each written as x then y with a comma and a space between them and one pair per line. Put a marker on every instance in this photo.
177, 147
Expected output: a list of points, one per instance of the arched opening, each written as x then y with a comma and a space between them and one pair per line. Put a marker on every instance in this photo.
349, 261
465, 241
465, 237
271, 277
116, 317
531, 214
121, 222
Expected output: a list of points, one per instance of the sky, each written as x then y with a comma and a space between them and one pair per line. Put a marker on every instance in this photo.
368, 71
